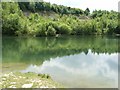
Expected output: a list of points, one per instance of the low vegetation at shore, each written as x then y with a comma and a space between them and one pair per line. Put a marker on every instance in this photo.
27, 80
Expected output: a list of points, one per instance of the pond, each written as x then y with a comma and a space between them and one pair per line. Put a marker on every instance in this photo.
74, 61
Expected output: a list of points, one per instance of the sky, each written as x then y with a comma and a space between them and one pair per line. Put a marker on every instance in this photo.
93, 70
91, 4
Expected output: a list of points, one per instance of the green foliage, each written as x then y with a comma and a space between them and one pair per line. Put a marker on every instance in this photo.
38, 19
87, 11
64, 29
51, 31
44, 6
11, 24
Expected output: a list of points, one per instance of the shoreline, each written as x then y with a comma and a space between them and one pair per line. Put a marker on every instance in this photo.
27, 80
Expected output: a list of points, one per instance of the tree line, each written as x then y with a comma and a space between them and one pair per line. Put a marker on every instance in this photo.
60, 20
45, 6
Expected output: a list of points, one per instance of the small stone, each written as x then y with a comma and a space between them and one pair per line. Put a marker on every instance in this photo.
27, 85
15, 78
53, 87
0, 83
13, 83
20, 76
6, 75
10, 73
44, 87
12, 86
35, 81
23, 77
3, 79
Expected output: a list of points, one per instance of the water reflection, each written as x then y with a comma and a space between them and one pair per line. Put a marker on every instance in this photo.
36, 50
74, 61
81, 70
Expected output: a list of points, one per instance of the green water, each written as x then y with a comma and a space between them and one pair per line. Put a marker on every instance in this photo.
74, 61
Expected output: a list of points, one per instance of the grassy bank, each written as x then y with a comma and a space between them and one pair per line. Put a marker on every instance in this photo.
27, 80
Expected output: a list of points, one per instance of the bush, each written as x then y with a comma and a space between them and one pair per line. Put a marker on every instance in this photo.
42, 30
51, 31
11, 24
64, 29
77, 30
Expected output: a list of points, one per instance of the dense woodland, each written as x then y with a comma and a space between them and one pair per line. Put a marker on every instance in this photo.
45, 19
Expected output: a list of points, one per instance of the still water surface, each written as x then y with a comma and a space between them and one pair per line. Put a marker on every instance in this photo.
74, 61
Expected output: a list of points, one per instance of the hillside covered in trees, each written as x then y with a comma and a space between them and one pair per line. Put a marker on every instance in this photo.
45, 19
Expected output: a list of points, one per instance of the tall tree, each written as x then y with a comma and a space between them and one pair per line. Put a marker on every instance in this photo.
87, 11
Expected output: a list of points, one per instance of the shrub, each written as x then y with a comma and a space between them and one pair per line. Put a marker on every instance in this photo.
51, 31
77, 30
11, 24
64, 29
42, 30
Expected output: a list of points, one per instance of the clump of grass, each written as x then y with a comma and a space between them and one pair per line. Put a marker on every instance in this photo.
44, 76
